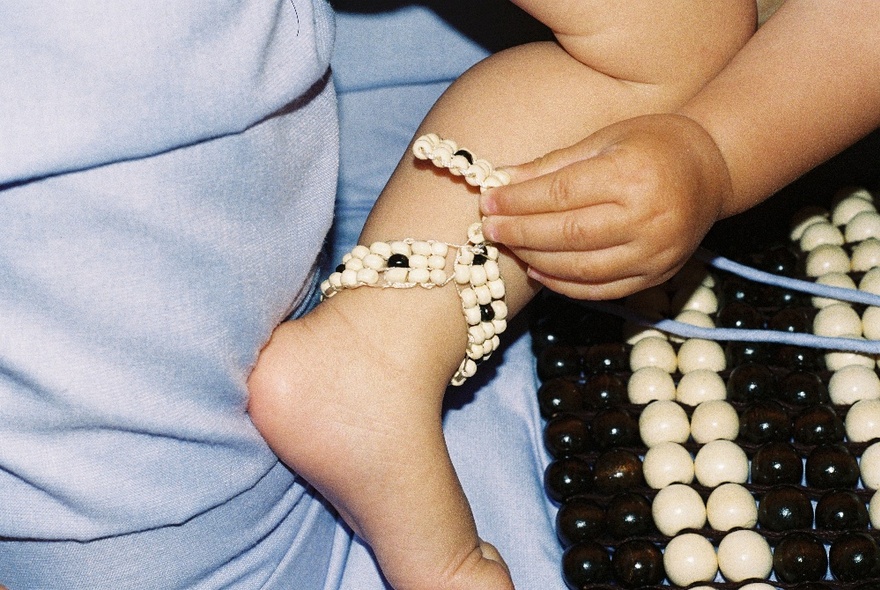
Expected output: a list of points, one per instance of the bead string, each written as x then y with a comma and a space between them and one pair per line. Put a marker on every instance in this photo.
408, 263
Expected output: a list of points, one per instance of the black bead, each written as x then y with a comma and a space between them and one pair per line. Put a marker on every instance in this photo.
785, 508
629, 515
467, 155
340, 267
738, 290
740, 315
559, 395
777, 463
841, 510
579, 520
398, 261
566, 435
567, 477
479, 260
802, 388
764, 421
584, 564
749, 382
854, 557
792, 320
614, 428
559, 361
608, 356
800, 357
832, 466
779, 260
638, 563
605, 390
617, 470
738, 353
487, 314
800, 557
818, 425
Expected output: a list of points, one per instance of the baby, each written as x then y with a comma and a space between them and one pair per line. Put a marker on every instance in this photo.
350, 395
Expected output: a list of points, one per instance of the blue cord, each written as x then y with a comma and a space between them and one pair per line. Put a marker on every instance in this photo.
685, 330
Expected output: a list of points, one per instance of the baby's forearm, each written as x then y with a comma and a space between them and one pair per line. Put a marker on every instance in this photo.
806, 86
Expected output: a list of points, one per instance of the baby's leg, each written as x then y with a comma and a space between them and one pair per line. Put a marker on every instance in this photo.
350, 395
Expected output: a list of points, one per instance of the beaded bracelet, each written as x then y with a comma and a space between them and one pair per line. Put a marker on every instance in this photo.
407, 263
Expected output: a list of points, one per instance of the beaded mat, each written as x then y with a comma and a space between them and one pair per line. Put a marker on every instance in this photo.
694, 463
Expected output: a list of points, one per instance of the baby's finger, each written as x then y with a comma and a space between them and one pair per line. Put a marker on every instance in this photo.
597, 267
592, 291
580, 183
594, 228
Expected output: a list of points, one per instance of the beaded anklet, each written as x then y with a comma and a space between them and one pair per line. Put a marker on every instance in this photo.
407, 263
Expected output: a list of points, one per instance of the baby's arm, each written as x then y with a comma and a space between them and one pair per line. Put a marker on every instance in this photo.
803, 88
350, 395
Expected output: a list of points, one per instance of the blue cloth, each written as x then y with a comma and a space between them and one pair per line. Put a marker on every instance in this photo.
168, 171
492, 425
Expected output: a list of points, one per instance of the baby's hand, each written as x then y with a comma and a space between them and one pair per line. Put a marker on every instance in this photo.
616, 213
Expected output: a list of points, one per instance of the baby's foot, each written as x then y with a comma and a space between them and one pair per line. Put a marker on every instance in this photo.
346, 400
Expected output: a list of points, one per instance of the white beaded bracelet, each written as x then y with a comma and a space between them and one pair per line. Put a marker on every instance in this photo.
408, 263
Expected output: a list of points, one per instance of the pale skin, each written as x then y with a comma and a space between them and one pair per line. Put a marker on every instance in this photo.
350, 395
623, 209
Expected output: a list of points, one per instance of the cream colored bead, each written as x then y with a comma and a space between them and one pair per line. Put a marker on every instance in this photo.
849, 207
458, 164
470, 368
696, 353
730, 506
476, 334
699, 298
863, 226
468, 297
360, 251
421, 248
837, 360
694, 318
489, 329
326, 288
870, 282
493, 272
396, 276
349, 278
871, 323
653, 352
832, 279
424, 145
382, 249
400, 247
690, 558
496, 288
632, 333
865, 255
354, 264
346, 257
476, 351
649, 384
804, 219
478, 275
477, 172
500, 309
819, 234
496, 342
368, 276
484, 295
438, 276
439, 249
373, 261
436, 262
475, 233
743, 555
721, 461
335, 280
869, 466
494, 180
465, 256
837, 320
666, 464
700, 385
714, 420
472, 316
492, 252
462, 274
500, 326
850, 384
825, 259
863, 421
677, 507
663, 421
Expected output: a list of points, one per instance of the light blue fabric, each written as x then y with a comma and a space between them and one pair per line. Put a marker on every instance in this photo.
168, 172
492, 425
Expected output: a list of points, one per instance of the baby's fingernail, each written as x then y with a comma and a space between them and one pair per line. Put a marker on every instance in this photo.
489, 230
487, 204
